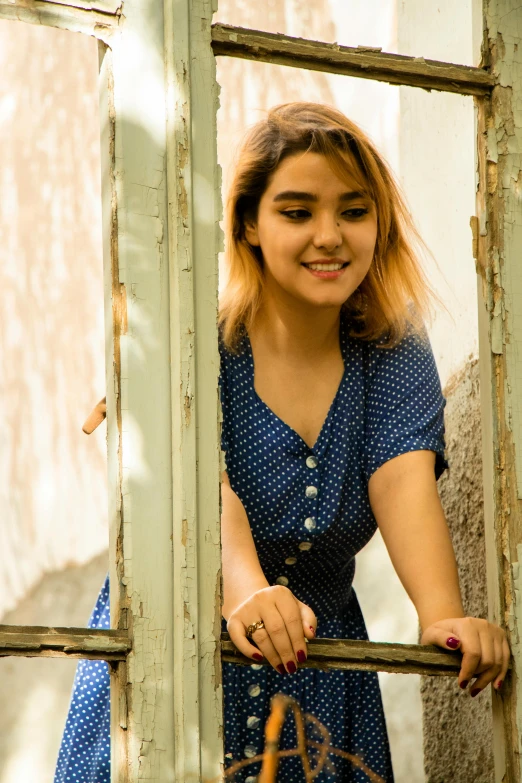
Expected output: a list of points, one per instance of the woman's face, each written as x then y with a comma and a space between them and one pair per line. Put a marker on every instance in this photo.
316, 232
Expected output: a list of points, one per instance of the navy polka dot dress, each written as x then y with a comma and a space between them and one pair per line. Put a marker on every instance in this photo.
309, 514
85, 752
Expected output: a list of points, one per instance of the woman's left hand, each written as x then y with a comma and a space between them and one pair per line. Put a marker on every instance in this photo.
484, 647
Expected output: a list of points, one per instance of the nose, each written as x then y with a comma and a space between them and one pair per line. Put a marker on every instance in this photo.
327, 233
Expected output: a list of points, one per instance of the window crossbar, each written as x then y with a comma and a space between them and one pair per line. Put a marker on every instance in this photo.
115, 645
363, 62
47, 642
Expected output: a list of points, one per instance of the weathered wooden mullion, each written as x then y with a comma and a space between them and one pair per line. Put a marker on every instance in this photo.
368, 656
364, 62
498, 252
194, 210
98, 18
114, 645
48, 642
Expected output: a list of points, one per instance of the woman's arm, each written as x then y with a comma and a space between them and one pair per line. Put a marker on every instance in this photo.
248, 597
405, 502
242, 573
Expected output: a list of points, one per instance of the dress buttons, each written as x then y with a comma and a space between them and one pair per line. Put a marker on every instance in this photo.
250, 750
310, 523
251, 779
282, 580
304, 546
256, 666
311, 462
229, 756
291, 560
254, 690
311, 492
253, 722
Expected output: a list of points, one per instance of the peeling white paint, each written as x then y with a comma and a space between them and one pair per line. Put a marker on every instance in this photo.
501, 270
100, 18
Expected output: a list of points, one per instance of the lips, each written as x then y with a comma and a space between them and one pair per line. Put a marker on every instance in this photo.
326, 262
326, 266
325, 272
331, 266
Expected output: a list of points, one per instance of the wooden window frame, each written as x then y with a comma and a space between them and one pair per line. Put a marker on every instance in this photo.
161, 209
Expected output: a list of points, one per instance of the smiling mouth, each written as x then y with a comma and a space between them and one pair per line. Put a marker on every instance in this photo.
326, 267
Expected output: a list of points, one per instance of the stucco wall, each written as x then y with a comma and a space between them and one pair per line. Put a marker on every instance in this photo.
457, 728
53, 499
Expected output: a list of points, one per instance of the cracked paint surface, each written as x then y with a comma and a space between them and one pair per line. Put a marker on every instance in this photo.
499, 244
99, 18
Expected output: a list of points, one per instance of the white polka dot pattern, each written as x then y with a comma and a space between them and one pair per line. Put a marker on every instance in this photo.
389, 402
84, 755
310, 508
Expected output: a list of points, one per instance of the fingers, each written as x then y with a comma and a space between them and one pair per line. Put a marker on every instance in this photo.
442, 635
286, 624
290, 611
471, 654
265, 648
484, 647
237, 633
486, 655
95, 417
309, 620
490, 661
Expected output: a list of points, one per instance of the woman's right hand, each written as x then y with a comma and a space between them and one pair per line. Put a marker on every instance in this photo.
287, 623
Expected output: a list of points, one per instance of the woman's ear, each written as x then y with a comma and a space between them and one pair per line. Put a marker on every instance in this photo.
251, 234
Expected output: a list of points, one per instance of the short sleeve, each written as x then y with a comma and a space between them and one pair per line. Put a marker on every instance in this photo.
404, 404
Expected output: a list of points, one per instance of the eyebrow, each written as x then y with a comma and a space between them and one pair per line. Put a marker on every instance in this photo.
298, 195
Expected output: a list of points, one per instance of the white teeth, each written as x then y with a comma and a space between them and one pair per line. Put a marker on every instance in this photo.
325, 267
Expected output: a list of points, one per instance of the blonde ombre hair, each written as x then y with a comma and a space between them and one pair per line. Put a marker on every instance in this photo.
395, 294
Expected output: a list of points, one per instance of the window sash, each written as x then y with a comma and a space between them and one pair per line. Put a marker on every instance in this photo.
166, 598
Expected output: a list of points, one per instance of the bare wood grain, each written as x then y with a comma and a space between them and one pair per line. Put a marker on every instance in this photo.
364, 62
368, 656
46, 642
91, 17
326, 654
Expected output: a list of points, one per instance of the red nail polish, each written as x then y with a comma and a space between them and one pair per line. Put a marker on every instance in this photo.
312, 629
281, 669
301, 656
475, 692
452, 642
464, 684
499, 686
291, 667
257, 656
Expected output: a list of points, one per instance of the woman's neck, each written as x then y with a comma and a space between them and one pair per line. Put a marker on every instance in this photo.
296, 334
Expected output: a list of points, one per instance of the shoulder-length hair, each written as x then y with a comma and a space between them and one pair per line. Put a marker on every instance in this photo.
394, 295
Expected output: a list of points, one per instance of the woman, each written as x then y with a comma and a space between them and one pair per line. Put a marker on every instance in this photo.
332, 424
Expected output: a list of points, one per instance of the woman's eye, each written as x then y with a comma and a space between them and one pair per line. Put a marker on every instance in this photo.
357, 212
301, 214
296, 214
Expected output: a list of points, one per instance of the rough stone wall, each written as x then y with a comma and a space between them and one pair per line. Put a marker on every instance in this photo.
457, 729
